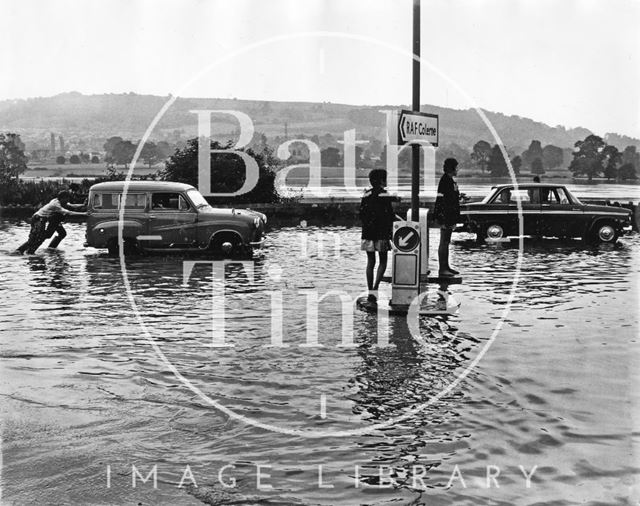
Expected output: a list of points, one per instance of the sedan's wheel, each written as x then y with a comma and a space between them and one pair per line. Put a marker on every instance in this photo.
605, 232
495, 231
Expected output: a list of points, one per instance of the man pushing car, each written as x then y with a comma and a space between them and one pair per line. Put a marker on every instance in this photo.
49, 214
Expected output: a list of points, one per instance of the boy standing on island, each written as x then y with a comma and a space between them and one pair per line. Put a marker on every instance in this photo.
447, 213
376, 214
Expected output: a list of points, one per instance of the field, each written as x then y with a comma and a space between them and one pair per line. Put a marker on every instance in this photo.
82, 170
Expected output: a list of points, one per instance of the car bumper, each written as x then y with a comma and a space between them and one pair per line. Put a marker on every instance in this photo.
258, 244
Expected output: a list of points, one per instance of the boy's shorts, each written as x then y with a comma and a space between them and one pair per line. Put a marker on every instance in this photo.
371, 246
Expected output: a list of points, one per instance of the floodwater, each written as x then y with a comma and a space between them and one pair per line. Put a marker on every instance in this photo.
86, 394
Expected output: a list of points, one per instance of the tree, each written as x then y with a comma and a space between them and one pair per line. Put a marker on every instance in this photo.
13, 161
529, 155
123, 153
74, 159
588, 157
227, 172
95, 159
111, 143
330, 157
552, 156
481, 154
497, 165
164, 150
150, 154
537, 167
611, 159
516, 163
627, 171
60, 160
629, 155
85, 157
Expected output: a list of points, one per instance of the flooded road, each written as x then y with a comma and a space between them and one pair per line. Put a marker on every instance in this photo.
550, 413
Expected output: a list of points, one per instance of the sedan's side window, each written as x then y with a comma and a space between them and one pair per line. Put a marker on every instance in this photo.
557, 196
562, 195
511, 196
183, 205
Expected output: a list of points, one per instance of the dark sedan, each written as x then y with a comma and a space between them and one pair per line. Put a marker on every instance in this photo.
547, 210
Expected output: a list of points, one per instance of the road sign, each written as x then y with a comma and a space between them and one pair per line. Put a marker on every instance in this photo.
417, 126
406, 239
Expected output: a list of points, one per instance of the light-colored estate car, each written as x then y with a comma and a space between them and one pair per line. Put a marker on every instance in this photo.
164, 216
547, 210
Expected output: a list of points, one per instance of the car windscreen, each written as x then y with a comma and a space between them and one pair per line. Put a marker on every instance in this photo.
197, 199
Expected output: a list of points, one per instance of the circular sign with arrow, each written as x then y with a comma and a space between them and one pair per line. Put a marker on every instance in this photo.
406, 239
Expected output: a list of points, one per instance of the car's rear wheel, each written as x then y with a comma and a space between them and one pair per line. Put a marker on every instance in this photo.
605, 232
495, 231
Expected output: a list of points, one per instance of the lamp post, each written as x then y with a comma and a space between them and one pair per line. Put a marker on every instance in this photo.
415, 148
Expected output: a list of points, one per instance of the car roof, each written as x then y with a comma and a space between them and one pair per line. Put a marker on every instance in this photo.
141, 185
529, 185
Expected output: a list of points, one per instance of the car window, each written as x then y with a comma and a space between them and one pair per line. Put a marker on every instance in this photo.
511, 196
557, 196
534, 195
197, 198
169, 202
564, 198
112, 201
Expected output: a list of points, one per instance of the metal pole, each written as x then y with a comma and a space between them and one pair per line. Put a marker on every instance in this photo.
415, 148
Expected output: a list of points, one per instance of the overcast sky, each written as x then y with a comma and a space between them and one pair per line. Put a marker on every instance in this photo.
569, 62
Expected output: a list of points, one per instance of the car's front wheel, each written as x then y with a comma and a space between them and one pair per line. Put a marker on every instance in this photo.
605, 232
228, 245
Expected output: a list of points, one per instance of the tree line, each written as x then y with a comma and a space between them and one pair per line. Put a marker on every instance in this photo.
591, 157
119, 152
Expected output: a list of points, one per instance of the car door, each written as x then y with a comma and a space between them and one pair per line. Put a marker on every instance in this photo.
503, 209
171, 221
560, 217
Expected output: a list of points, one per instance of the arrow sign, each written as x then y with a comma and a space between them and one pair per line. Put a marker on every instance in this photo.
417, 126
406, 239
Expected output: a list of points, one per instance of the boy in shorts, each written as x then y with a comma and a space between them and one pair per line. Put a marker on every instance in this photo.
376, 214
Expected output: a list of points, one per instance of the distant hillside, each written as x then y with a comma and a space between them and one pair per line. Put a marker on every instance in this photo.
87, 120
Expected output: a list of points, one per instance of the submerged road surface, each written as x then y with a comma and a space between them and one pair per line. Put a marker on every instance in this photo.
89, 408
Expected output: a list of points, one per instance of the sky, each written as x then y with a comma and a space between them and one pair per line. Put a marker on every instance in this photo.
562, 62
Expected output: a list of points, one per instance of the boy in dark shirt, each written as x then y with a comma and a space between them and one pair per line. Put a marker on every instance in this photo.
376, 214
447, 213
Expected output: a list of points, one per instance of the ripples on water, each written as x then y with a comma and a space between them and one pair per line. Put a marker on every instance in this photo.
83, 389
